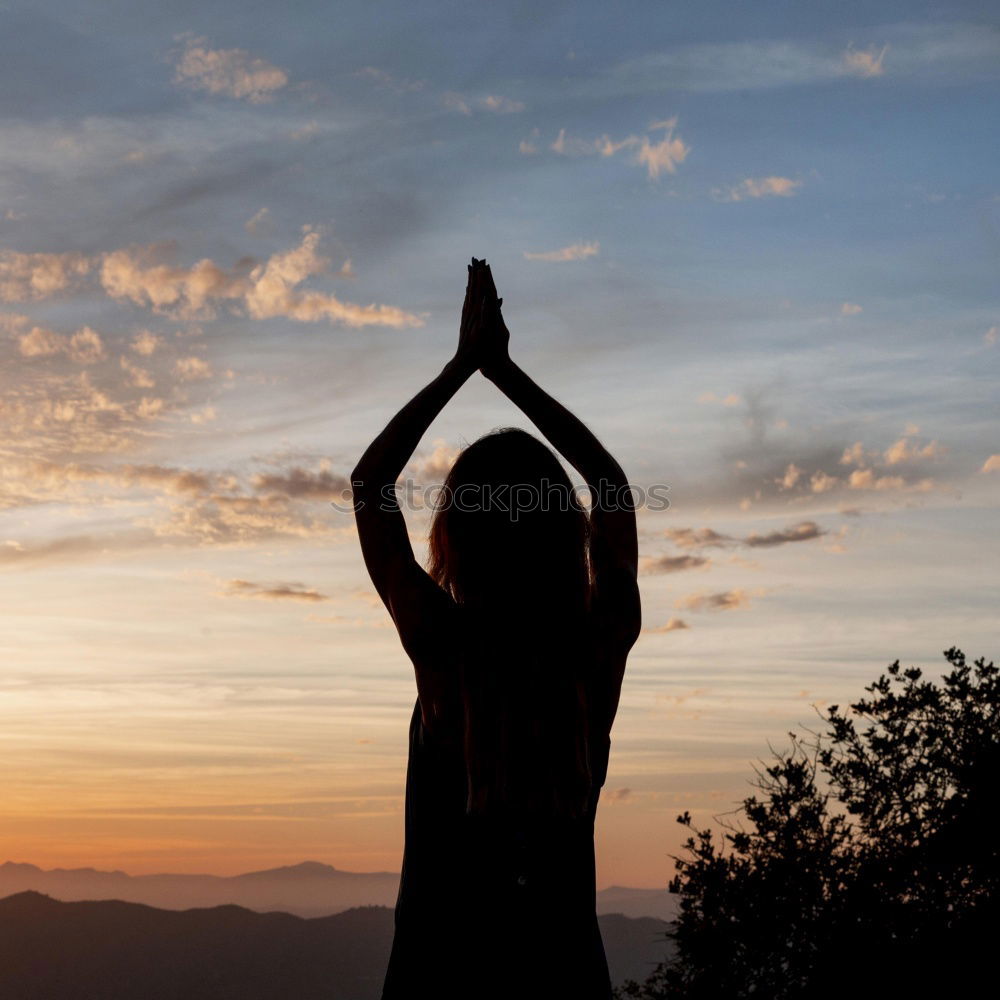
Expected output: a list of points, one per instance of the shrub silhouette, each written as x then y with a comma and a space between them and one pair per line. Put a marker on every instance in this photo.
867, 865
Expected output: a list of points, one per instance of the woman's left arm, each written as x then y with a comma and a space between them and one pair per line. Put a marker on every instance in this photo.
415, 602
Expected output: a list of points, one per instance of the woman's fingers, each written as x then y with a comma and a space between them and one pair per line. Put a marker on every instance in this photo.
491, 288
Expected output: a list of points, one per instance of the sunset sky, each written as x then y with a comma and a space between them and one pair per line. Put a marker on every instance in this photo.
754, 247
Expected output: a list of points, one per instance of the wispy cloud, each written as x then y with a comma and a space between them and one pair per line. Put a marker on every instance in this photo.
905, 450
265, 291
804, 531
919, 51
671, 564
726, 600
85, 346
495, 103
656, 156
758, 187
227, 72
671, 625
501, 105
28, 277
865, 62
575, 251
257, 220
17, 555
689, 538
303, 484
273, 591
730, 399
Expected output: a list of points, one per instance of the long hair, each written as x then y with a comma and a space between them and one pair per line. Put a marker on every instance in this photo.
510, 542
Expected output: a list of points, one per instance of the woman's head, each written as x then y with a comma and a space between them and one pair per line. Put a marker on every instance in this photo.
510, 543
508, 525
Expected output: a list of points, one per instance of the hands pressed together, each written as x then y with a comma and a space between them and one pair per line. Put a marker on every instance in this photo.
483, 336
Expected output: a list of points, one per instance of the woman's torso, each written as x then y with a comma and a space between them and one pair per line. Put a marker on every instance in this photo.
485, 898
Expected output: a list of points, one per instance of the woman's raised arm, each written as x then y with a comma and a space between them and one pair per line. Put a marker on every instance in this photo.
614, 542
415, 602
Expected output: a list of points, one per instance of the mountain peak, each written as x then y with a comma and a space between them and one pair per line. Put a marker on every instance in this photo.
304, 869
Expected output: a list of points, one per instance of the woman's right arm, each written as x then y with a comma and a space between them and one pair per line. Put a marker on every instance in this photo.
614, 541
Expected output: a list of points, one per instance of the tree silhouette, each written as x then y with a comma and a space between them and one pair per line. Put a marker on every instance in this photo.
867, 865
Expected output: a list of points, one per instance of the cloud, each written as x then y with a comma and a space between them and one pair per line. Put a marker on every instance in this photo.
491, 102
227, 518
256, 220
17, 555
905, 451
146, 343
273, 591
204, 415
211, 508
386, 79
867, 474
222, 512
44, 478
83, 395
529, 146
732, 399
139, 377
274, 292
31, 277
436, 466
865, 62
576, 251
689, 538
302, 484
265, 291
229, 72
455, 102
790, 478
850, 309
39, 343
85, 346
619, 794
672, 564
804, 531
869, 479
939, 51
671, 625
991, 335
191, 369
758, 187
657, 157
892, 469
854, 454
662, 155
501, 105
992, 464
46, 411
821, 482
726, 600
136, 274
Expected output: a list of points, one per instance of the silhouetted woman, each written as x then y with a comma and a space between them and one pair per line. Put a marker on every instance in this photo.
518, 635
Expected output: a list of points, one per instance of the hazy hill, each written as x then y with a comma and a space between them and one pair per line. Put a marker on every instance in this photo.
309, 889
114, 950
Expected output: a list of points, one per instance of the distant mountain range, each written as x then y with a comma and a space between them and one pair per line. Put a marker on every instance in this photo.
309, 889
114, 950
